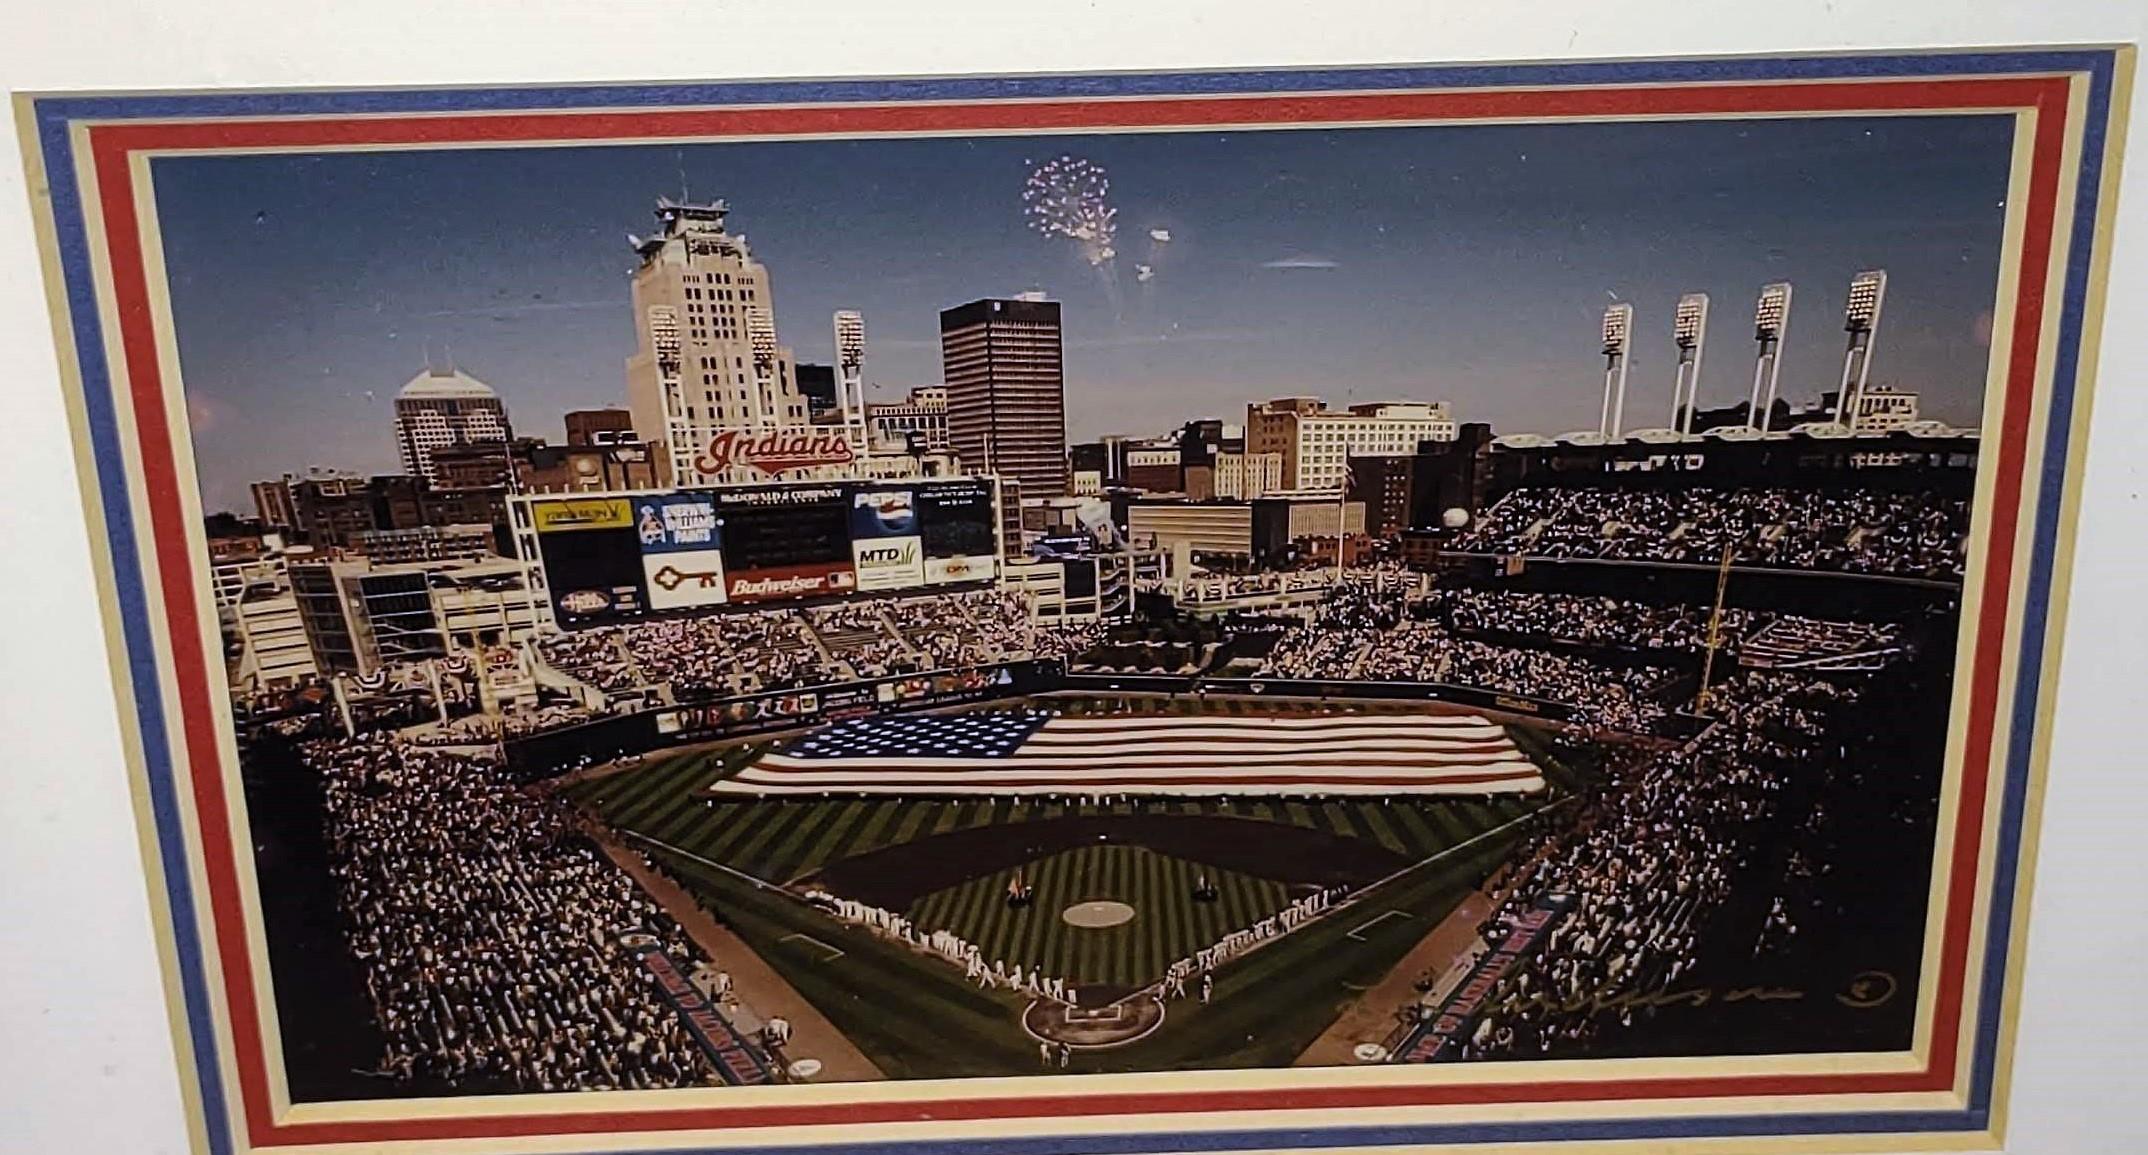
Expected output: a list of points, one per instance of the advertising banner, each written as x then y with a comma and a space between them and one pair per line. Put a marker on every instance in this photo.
949, 570
681, 550
797, 581
957, 525
679, 581
736, 1061
888, 564
884, 545
594, 574
581, 513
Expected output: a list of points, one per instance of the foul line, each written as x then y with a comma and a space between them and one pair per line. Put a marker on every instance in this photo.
1357, 932
670, 849
834, 953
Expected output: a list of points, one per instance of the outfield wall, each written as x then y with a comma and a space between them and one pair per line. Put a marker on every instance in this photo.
746, 715
1673, 726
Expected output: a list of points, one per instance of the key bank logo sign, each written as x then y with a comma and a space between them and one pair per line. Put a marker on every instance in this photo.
683, 579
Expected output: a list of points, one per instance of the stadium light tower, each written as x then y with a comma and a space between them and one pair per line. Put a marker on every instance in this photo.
1860, 319
1690, 329
1618, 331
850, 380
1771, 321
761, 334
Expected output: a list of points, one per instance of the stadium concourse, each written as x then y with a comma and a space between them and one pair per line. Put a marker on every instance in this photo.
1596, 788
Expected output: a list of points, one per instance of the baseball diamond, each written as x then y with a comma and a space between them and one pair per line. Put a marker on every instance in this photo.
1195, 871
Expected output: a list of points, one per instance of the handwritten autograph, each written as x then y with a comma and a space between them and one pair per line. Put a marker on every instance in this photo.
1864, 991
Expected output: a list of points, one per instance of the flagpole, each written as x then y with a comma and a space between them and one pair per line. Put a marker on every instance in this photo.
1342, 516
1715, 631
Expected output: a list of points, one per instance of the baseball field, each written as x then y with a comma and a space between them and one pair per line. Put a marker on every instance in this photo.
1190, 870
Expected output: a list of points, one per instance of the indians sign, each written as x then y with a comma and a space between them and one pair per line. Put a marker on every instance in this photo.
774, 452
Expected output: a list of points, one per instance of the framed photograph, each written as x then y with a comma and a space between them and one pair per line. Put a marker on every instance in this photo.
1048, 615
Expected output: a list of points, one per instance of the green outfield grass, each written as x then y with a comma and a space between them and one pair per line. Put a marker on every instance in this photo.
783, 840
916, 1016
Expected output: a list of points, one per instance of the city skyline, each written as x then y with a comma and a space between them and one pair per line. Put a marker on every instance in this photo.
1353, 264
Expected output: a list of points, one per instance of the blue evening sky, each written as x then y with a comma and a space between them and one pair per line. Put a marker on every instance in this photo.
1468, 264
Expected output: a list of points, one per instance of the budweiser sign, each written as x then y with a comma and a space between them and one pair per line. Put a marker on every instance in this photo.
790, 583
776, 451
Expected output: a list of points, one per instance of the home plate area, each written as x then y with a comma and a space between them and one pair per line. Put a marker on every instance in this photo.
1130, 1018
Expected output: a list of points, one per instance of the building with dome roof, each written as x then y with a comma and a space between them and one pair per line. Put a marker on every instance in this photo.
442, 407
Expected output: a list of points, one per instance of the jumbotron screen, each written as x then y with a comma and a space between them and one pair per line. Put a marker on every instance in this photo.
958, 525
785, 542
608, 559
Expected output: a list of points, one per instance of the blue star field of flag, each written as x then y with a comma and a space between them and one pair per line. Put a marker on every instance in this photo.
991, 734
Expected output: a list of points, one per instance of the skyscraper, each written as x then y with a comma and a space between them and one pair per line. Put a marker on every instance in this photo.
708, 371
443, 407
1006, 391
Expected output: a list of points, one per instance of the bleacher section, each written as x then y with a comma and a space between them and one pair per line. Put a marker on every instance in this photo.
752, 651
1791, 642
1901, 534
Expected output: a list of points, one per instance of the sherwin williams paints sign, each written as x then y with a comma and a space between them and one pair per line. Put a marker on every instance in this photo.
681, 550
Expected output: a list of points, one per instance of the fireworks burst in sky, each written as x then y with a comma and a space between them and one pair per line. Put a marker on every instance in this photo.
1070, 197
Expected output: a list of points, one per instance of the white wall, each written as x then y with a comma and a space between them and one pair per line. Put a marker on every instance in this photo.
87, 1065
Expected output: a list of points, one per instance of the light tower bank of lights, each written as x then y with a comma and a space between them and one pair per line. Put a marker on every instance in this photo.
1771, 321
1860, 319
1618, 332
850, 377
1690, 330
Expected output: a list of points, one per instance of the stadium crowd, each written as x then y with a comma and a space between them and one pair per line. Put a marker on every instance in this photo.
749, 651
1644, 866
1223, 587
1375, 628
1913, 534
859, 636
1583, 620
488, 927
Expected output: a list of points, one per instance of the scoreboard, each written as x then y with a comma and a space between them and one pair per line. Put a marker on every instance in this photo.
613, 558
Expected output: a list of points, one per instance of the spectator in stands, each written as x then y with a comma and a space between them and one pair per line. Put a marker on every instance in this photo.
488, 928
1909, 533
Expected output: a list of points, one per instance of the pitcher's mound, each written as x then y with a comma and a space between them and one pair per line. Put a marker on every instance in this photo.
1097, 914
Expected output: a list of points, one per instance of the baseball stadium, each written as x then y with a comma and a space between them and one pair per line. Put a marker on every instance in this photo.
1624, 762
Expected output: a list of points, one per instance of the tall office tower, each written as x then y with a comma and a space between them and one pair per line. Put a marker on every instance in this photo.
709, 377
443, 407
1006, 391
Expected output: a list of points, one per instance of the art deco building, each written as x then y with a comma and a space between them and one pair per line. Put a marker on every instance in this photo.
708, 362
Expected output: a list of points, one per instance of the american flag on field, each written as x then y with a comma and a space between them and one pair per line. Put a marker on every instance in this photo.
1005, 752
